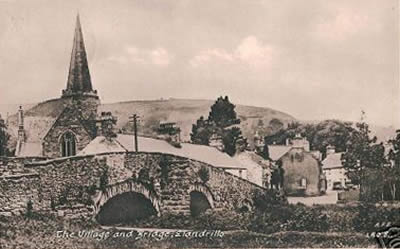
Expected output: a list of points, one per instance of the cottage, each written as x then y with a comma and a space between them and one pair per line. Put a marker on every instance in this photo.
333, 169
300, 168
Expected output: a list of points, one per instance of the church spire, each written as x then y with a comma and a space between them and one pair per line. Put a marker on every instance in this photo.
79, 82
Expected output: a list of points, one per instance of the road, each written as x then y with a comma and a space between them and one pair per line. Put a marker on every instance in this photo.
328, 198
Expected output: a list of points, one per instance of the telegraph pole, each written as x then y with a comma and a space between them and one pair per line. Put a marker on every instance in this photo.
134, 119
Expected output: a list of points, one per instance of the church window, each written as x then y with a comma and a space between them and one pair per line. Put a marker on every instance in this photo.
68, 144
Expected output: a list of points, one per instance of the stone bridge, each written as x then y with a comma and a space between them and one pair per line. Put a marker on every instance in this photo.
124, 184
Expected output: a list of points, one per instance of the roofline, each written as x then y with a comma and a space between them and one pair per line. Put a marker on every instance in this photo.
334, 167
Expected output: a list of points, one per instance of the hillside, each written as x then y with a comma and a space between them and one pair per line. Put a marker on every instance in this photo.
184, 112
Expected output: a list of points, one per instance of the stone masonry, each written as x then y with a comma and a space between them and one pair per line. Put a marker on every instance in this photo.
76, 186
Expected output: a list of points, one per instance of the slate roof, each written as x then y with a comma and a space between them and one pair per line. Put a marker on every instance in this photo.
277, 151
332, 161
200, 153
29, 149
35, 129
101, 145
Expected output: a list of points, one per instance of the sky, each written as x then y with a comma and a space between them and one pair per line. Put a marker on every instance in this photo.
313, 59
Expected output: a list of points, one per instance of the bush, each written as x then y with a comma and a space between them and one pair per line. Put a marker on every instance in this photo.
204, 174
264, 200
370, 218
307, 219
222, 220
29, 209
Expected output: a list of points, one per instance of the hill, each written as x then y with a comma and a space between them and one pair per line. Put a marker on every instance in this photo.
184, 112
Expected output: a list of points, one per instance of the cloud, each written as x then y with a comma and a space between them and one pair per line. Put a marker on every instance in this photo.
158, 56
343, 24
250, 52
254, 53
209, 55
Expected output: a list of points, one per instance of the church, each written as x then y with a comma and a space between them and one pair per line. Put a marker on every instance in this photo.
74, 125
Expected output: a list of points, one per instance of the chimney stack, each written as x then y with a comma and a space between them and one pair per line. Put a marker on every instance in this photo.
330, 149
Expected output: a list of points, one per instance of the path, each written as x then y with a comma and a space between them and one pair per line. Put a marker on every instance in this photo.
328, 198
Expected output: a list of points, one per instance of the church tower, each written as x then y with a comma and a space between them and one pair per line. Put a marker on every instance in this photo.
79, 93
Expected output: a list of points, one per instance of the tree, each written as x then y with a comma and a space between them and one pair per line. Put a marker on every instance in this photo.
362, 152
265, 152
223, 113
392, 169
320, 135
3, 138
231, 138
201, 132
221, 117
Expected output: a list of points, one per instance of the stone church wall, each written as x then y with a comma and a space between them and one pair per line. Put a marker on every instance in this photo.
67, 122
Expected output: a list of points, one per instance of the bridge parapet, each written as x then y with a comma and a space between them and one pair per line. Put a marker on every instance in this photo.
167, 180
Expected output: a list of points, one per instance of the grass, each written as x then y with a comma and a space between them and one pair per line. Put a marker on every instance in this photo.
39, 231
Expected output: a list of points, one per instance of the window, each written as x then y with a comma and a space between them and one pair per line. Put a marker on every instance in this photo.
303, 183
68, 144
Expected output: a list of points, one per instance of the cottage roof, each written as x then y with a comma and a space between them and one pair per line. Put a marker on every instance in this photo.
251, 158
100, 145
197, 152
332, 161
277, 151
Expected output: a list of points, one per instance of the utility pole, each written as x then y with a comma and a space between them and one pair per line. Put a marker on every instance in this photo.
134, 120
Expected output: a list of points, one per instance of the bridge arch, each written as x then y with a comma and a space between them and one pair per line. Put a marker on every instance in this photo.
122, 188
201, 199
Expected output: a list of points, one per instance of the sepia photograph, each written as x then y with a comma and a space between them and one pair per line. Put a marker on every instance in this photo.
199, 124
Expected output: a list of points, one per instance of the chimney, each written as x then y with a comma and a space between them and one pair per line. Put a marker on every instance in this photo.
105, 125
330, 149
300, 142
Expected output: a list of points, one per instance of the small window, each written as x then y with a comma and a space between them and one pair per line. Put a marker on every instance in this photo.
303, 183
68, 144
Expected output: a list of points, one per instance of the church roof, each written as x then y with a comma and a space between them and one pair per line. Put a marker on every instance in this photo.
79, 77
30, 149
197, 152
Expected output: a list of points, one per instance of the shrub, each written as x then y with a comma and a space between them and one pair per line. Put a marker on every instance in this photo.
263, 200
204, 174
222, 220
104, 180
29, 209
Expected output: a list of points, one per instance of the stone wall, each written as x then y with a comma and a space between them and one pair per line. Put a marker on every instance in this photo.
73, 186
16, 191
